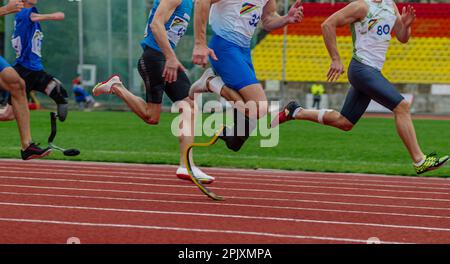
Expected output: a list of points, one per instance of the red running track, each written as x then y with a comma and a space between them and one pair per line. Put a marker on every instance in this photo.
51, 201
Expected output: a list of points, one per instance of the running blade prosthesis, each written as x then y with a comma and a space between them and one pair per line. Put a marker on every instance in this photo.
66, 152
202, 188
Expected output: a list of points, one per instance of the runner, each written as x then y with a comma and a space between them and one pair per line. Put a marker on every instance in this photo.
11, 81
162, 72
371, 22
234, 23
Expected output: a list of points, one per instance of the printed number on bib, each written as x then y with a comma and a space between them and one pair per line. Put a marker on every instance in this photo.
177, 29
37, 43
383, 30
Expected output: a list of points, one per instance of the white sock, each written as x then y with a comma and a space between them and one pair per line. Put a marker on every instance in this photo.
420, 163
216, 85
322, 113
296, 112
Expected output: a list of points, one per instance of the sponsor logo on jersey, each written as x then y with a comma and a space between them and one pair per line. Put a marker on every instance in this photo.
372, 23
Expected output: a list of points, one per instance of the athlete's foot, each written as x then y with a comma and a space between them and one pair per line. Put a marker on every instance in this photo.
200, 86
105, 87
286, 115
432, 162
204, 178
35, 152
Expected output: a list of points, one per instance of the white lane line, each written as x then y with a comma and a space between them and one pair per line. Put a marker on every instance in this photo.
171, 178
145, 167
176, 181
232, 216
231, 197
223, 204
227, 189
197, 230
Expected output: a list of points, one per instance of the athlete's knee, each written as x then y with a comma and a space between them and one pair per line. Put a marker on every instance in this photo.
57, 92
151, 120
16, 86
403, 108
344, 125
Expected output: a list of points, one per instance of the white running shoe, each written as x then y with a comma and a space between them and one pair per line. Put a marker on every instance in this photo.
105, 87
204, 178
200, 85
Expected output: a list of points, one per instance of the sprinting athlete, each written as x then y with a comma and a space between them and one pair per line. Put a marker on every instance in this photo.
371, 22
234, 23
162, 72
11, 82
27, 42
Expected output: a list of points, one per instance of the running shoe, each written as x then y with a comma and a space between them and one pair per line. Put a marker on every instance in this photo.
200, 86
105, 87
35, 152
286, 115
204, 178
432, 162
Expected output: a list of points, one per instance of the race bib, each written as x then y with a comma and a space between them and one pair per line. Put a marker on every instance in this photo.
177, 29
37, 43
17, 46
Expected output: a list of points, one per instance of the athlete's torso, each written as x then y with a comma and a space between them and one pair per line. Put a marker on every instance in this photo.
27, 40
371, 36
236, 20
176, 26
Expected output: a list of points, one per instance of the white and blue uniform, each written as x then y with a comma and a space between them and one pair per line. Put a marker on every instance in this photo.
176, 26
27, 40
234, 23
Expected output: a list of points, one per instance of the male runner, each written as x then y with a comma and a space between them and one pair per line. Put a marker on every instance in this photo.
162, 72
27, 42
11, 81
234, 23
372, 22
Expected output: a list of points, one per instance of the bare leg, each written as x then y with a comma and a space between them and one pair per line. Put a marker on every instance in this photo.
406, 131
148, 112
187, 125
11, 81
330, 118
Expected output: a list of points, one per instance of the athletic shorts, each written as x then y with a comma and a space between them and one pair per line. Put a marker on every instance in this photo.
34, 80
151, 67
368, 84
235, 65
3, 64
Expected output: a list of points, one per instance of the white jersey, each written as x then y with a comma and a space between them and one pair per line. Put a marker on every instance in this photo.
371, 36
236, 20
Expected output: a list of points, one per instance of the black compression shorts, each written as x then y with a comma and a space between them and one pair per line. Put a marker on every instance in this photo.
151, 67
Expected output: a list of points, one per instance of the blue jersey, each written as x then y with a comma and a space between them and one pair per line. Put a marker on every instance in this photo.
176, 26
27, 40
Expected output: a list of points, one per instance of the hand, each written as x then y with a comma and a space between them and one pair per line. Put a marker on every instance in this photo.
336, 70
295, 14
14, 6
408, 16
171, 69
59, 16
201, 53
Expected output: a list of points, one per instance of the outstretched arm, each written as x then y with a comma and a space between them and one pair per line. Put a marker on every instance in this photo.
46, 17
13, 6
201, 50
272, 20
404, 22
353, 12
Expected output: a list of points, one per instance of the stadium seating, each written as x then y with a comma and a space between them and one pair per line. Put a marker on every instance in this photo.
425, 59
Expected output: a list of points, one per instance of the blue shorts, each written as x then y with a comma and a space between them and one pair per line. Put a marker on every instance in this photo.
235, 65
3, 64
368, 84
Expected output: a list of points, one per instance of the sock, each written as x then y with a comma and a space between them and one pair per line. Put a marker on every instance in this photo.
216, 85
296, 112
420, 163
